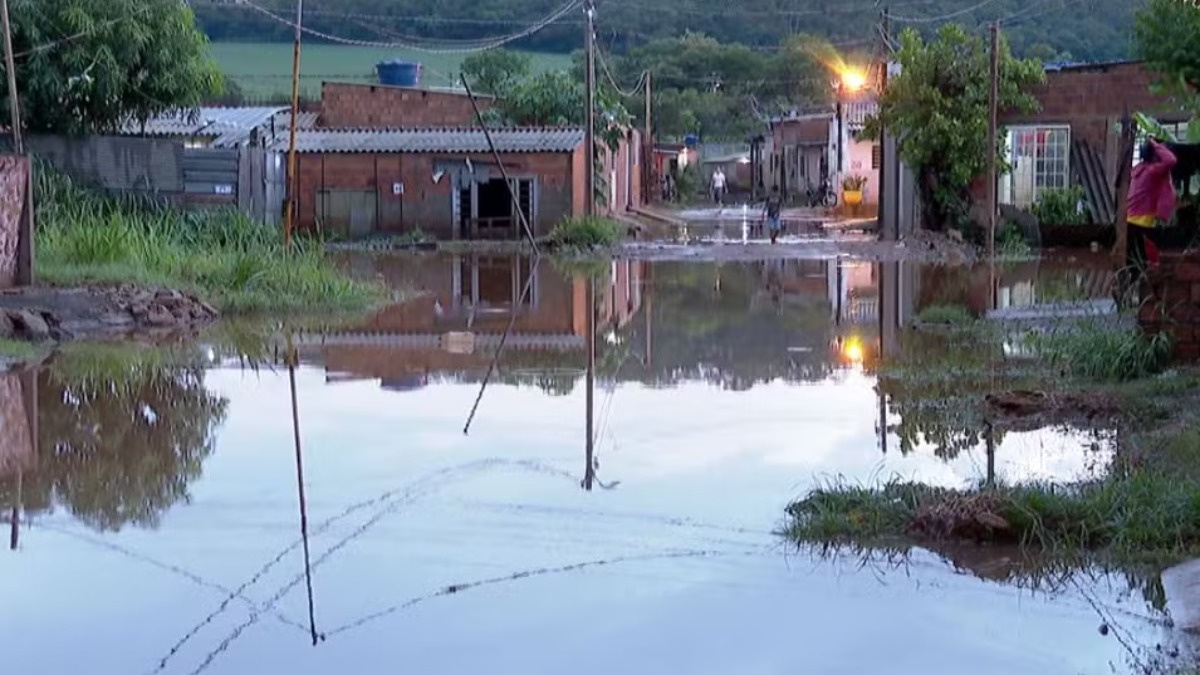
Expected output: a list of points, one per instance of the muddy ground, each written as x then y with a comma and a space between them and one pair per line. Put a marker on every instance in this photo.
45, 313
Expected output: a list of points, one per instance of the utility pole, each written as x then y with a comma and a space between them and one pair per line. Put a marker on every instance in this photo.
25, 223
993, 105
883, 156
648, 143
292, 178
589, 103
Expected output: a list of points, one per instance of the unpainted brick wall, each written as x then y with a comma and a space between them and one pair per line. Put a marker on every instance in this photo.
1174, 304
375, 106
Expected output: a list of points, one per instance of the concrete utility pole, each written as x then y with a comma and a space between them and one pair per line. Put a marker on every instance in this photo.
885, 50
292, 179
993, 105
589, 103
14, 103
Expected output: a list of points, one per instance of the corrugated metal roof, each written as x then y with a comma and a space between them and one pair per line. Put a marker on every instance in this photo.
522, 139
219, 122
308, 120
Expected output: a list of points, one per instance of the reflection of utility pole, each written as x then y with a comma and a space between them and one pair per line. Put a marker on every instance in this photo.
649, 289
291, 364
990, 437
14, 536
589, 454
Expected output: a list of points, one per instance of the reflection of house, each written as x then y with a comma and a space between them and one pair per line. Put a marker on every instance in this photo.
807, 148
467, 304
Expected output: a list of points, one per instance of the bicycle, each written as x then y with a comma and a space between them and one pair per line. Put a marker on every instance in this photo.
822, 195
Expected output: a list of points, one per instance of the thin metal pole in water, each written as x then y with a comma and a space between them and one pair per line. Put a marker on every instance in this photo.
537, 259
590, 449
512, 193
292, 179
292, 358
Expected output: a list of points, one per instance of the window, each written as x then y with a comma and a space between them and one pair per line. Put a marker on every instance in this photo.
876, 156
1039, 160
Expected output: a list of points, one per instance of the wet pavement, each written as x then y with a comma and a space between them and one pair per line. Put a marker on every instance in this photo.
159, 522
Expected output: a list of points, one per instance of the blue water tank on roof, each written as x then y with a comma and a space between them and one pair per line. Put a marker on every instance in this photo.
397, 73
691, 140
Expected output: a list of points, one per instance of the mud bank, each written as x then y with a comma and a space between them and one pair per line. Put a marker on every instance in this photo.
51, 314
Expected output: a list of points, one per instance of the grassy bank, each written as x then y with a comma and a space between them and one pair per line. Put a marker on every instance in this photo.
239, 265
1094, 373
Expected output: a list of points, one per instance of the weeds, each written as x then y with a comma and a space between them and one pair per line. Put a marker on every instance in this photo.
945, 315
1105, 352
239, 264
586, 233
18, 349
1060, 206
1139, 514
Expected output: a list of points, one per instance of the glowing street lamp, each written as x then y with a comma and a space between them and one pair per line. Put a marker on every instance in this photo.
853, 80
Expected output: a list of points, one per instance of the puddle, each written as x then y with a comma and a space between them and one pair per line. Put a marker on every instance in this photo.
163, 503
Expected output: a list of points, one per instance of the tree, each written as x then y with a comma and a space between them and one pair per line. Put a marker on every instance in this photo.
121, 60
1167, 37
938, 108
496, 71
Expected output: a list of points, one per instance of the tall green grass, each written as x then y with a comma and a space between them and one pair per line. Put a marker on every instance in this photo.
238, 264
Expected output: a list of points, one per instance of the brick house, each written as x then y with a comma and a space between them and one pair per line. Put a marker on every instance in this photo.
805, 148
443, 181
347, 105
1075, 135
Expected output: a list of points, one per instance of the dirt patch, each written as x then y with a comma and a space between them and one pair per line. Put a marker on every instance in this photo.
1023, 410
47, 313
964, 517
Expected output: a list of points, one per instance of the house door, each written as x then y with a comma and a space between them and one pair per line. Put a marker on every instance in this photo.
351, 212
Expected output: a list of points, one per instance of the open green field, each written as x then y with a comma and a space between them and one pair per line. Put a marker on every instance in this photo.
264, 69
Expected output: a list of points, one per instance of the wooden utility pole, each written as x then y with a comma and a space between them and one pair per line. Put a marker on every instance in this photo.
1120, 250
589, 104
25, 274
292, 178
993, 114
648, 142
883, 158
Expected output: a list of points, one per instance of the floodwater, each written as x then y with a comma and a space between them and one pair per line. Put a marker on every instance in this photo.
158, 522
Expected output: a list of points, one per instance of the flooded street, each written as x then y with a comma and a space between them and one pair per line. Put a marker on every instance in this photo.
627, 526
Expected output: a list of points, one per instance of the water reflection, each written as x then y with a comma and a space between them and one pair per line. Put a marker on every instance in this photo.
712, 394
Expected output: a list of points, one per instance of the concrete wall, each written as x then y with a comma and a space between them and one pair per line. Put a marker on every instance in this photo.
426, 204
116, 163
365, 106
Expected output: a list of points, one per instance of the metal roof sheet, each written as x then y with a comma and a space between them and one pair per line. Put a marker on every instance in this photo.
463, 140
219, 122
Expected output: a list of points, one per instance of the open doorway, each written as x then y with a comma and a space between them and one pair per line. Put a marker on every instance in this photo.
492, 215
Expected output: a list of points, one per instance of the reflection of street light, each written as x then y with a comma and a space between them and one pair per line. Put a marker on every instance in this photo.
853, 349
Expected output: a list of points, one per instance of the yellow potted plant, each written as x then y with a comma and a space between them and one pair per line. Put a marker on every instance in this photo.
852, 187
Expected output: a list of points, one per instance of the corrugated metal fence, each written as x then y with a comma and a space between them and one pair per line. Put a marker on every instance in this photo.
250, 178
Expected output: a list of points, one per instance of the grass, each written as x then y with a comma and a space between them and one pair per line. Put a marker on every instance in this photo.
582, 234
239, 265
19, 349
1099, 350
946, 315
263, 69
1148, 513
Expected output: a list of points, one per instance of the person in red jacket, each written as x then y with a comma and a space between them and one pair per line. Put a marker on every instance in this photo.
1151, 202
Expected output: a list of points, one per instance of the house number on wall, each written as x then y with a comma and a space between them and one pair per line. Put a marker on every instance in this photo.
397, 188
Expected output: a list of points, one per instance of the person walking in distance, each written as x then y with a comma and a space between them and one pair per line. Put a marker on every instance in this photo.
1151, 204
718, 186
771, 213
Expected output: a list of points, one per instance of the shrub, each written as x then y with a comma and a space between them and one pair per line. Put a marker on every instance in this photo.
586, 233
946, 315
1060, 206
1106, 351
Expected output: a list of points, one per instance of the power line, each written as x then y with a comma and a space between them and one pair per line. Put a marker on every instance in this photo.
944, 17
460, 47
